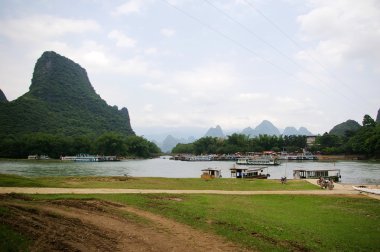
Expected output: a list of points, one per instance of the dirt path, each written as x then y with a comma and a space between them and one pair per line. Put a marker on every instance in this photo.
94, 225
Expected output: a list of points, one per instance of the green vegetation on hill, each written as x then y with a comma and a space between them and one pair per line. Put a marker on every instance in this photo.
3, 98
363, 141
347, 127
63, 115
61, 100
110, 144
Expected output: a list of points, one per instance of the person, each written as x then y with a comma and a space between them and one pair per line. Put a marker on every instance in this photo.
283, 180
319, 181
331, 184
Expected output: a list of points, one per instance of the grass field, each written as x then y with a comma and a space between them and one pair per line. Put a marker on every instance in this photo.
155, 183
269, 222
259, 222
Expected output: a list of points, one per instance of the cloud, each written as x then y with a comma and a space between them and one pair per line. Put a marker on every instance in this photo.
121, 39
345, 32
132, 6
167, 32
246, 97
97, 58
148, 108
44, 27
210, 77
151, 50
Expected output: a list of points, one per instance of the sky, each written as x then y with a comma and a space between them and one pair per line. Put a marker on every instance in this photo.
195, 64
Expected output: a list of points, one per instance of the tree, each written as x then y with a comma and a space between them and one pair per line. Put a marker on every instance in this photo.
111, 144
139, 146
368, 121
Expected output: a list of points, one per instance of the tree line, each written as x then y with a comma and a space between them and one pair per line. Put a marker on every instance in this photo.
364, 141
110, 144
242, 143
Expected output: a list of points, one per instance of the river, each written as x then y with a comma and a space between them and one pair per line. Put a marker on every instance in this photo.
352, 172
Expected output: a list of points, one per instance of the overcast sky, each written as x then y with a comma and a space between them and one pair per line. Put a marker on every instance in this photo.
195, 63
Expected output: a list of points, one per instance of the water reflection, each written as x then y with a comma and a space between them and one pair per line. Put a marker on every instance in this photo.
352, 172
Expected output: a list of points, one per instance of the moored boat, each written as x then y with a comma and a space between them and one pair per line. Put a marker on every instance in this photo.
89, 158
211, 173
258, 160
305, 155
333, 174
249, 172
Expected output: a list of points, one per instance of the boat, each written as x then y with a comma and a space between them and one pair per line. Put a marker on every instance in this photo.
250, 172
367, 189
38, 157
199, 158
211, 173
316, 174
188, 157
89, 158
258, 160
305, 155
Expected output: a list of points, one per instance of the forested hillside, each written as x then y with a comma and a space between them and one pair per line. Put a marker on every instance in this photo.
61, 100
63, 115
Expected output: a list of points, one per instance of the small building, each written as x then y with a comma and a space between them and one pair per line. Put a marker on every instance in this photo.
310, 140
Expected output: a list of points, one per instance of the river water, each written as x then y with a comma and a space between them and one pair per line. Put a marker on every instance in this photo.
352, 172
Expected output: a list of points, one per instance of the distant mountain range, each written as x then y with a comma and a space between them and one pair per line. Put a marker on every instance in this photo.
215, 132
170, 142
267, 128
264, 128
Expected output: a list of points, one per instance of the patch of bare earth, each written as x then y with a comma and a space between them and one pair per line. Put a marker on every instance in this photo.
93, 225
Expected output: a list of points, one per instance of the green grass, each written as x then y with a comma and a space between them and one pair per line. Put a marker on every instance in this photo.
18, 181
269, 222
155, 183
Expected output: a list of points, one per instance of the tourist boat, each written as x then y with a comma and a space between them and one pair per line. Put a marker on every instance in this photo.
258, 160
316, 174
305, 155
199, 158
211, 173
89, 158
187, 157
38, 157
250, 172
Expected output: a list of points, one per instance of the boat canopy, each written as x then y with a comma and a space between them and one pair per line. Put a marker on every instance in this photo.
327, 173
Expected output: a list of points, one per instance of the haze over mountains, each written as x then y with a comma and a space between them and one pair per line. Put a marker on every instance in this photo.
264, 128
